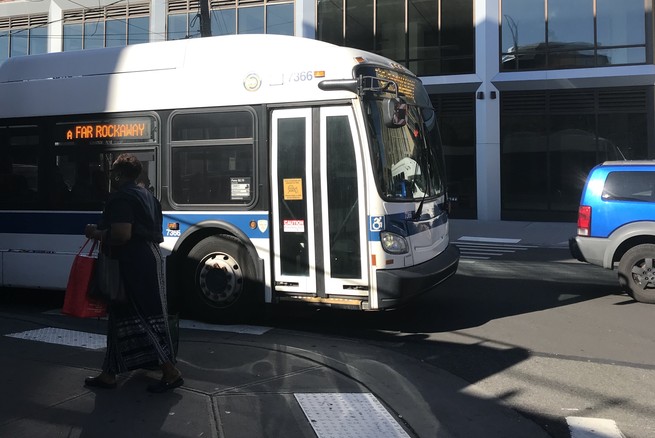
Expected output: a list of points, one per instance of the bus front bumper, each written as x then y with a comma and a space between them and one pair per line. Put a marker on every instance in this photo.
396, 286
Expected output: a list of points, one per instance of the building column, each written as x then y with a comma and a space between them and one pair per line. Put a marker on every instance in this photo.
55, 28
487, 110
305, 25
157, 20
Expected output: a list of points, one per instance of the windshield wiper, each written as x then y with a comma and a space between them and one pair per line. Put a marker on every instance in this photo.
419, 210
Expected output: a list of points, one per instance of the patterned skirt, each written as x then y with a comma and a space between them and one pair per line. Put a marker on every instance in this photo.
138, 334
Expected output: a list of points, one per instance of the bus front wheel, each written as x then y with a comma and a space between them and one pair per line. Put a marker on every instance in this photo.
221, 280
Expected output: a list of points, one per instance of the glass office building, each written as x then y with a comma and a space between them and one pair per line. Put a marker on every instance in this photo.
531, 93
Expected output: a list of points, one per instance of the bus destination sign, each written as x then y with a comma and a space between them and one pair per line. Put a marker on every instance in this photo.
109, 130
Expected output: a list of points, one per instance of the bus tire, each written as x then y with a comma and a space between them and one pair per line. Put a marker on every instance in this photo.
221, 280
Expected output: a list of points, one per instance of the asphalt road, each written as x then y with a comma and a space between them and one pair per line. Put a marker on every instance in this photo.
550, 336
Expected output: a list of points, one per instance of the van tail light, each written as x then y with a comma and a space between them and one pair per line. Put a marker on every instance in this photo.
584, 220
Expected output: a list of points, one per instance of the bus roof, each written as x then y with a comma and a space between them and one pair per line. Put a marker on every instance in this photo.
201, 72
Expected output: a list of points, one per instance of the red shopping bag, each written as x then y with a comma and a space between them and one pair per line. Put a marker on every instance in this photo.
76, 301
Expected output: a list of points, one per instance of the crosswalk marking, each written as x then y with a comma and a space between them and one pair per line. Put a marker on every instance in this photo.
94, 341
484, 248
71, 338
584, 427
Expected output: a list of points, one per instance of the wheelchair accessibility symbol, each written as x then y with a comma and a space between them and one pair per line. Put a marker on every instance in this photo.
376, 223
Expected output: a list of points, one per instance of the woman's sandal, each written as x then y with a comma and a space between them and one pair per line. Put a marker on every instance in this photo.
96, 382
163, 386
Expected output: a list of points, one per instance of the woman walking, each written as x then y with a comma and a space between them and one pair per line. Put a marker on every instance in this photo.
138, 335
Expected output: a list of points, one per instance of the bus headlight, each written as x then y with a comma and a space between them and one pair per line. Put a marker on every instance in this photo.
393, 243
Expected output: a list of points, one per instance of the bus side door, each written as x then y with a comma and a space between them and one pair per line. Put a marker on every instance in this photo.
319, 239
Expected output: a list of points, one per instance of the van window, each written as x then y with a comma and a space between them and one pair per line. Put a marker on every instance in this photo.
630, 186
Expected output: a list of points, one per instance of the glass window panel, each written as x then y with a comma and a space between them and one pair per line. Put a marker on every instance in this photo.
623, 134
345, 254
329, 26
570, 22
224, 22
116, 33
523, 24
293, 246
581, 58
390, 39
251, 20
19, 168
19, 42
359, 24
138, 30
630, 55
4, 45
523, 162
621, 23
213, 174
423, 28
72, 37
572, 146
213, 126
94, 34
279, 19
177, 27
38, 40
458, 31
629, 186
194, 25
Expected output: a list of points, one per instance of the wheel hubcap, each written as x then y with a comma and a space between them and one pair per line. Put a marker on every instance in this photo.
643, 273
220, 279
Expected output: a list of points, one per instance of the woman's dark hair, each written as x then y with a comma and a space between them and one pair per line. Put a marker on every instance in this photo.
128, 165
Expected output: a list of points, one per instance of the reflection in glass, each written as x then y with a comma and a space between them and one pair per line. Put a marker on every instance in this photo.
359, 24
38, 40
457, 31
116, 33
343, 199
4, 45
224, 22
19, 42
279, 19
620, 23
571, 21
629, 55
177, 26
390, 38
329, 26
251, 20
579, 27
138, 30
423, 20
523, 24
94, 34
72, 37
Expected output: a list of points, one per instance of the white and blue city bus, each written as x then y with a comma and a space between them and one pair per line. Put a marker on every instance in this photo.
288, 169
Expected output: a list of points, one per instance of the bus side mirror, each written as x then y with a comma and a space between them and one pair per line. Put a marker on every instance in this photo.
394, 112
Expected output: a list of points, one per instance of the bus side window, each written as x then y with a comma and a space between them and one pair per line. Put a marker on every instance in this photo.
19, 158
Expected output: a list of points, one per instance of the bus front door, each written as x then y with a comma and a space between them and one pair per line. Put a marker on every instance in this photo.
319, 240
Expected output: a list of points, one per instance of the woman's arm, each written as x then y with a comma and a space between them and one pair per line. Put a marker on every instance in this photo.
121, 232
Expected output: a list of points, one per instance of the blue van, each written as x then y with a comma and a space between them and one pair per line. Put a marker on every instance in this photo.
616, 224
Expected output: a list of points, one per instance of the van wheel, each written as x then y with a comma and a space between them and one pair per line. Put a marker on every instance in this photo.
220, 278
637, 273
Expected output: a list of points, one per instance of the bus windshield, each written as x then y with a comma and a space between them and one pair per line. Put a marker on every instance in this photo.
407, 159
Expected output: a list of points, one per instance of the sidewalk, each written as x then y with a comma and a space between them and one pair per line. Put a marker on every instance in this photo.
250, 382
241, 385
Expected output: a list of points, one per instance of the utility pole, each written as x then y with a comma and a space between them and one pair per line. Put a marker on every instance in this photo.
205, 20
